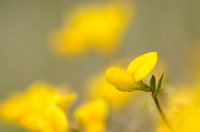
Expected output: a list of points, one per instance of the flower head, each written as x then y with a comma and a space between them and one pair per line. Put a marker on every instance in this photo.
127, 80
93, 115
40, 108
183, 110
94, 27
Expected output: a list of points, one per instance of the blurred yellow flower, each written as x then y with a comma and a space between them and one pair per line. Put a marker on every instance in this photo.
95, 127
183, 111
126, 80
92, 116
95, 27
98, 87
40, 108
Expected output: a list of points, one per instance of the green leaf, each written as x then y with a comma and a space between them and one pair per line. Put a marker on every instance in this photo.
153, 83
159, 83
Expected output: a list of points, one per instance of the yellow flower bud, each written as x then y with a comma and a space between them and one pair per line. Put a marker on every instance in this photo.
138, 69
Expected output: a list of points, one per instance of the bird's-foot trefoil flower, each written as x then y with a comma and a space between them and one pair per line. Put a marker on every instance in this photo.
131, 79
92, 28
41, 108
183, 109
92, 116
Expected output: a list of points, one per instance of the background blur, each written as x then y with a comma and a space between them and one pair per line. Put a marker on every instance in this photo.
169, 27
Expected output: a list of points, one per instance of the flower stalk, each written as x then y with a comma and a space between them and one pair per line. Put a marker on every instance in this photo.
161, 111
155, 91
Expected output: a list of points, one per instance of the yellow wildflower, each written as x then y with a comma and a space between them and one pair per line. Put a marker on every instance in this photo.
127, 80
95, 27
183, 111
98, 87
40, 108
92, 116
95, 127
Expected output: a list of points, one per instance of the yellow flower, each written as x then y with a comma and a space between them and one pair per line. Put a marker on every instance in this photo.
93, 27
95, 127
40, 108
183, 111
98, 87
93, 115
127, 80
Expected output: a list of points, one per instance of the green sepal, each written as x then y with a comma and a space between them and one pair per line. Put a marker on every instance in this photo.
153, 83
159, 90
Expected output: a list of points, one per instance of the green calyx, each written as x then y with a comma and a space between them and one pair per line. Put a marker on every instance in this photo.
156, 90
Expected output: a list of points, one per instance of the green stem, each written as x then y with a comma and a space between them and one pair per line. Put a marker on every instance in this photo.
145, 87
161, 112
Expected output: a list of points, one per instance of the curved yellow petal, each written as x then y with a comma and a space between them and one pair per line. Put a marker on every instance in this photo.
120, 78
142, 66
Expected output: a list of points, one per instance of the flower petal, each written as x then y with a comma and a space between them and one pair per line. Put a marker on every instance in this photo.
120, 78
142, 66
